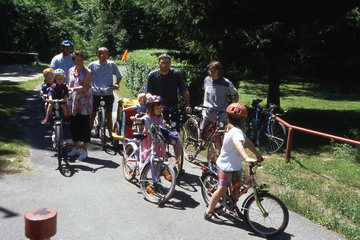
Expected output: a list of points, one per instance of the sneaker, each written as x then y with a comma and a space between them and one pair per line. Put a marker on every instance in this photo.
73, 152
83, 155
211, 217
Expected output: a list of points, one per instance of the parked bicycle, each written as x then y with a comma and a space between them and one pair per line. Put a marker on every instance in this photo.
157, 177
100, 123
263, 212
194, 140
267, 133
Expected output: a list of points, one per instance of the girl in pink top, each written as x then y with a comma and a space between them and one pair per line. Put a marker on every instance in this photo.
153, 116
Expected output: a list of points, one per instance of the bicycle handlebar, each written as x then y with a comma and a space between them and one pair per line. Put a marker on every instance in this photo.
200, 108
55, 100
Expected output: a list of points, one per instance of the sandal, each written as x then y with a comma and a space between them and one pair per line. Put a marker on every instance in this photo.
211, 217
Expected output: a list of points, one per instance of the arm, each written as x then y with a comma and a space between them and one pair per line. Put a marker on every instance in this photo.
236, 98
185, 94
250, 145
117, 84
86, 84
239, 145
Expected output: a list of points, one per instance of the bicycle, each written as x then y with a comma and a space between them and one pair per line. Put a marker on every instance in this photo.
194, 140
267, 133
57, 137
157, 177
263, 212
170, 150
100, 120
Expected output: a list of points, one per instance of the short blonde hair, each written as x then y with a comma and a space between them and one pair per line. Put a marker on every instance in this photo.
141, 95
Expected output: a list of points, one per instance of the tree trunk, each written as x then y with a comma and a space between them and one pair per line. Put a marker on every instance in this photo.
274, 89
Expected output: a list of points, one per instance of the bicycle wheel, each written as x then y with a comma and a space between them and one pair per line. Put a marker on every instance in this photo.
128, 165
171, 158
96, 130
59, 142
102, 128
274, 218
271, 136
190, 138
209, 186
115, 141
162, 187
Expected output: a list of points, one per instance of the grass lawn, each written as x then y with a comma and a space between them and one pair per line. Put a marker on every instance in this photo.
322, 181
14, 150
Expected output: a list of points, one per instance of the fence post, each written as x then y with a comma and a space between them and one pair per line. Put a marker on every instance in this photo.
289, 145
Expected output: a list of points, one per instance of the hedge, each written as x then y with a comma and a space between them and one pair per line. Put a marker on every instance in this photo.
141, 62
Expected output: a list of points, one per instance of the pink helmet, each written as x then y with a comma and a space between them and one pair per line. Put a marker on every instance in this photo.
237, 110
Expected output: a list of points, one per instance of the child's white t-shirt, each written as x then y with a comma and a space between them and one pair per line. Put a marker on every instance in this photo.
230, 159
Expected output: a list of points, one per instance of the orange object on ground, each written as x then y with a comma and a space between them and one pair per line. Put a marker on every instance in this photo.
40, 223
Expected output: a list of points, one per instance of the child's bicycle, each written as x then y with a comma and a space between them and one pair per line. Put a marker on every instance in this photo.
264, 213
157, 177
57, 137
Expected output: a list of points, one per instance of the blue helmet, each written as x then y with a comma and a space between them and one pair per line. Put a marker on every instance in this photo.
66, 43
59, 71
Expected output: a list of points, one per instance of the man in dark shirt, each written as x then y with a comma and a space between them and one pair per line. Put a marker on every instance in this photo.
166, 82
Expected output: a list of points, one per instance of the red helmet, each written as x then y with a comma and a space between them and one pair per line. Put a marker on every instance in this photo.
237, 110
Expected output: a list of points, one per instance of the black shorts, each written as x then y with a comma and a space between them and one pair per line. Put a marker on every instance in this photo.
109, 102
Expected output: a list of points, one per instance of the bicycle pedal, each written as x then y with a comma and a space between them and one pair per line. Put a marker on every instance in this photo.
150, 190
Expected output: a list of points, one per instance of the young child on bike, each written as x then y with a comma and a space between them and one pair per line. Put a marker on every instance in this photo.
48, 81
155, 105
231, 157
58, 90
141, 106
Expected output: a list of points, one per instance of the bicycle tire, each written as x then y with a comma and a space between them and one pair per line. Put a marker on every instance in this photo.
59, 143
161, 190
96, 128
128, 167
271, 136
115, 141
102, 128
209, 186
268, 224
190, 139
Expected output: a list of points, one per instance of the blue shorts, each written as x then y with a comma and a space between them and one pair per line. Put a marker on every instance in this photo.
226, 178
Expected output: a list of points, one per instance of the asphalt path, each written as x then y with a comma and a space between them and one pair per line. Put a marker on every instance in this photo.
98, 203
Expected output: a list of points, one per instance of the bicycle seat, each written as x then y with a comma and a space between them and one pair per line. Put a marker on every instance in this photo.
139, 135
256, 102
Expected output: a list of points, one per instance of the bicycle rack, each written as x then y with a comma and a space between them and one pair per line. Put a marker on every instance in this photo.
291, 129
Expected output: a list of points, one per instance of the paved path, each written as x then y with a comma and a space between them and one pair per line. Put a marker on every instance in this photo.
98, 203
16, 73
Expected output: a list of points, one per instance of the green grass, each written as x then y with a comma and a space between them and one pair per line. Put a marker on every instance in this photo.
322, 180
14, 150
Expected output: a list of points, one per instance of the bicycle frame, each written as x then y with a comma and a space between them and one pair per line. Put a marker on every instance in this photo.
138, 153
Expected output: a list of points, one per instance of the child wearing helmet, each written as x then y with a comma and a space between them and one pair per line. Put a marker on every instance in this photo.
48, 81
231, 157
58, 90
155, 106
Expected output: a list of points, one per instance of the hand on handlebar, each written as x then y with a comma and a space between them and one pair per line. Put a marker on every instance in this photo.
188, 109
